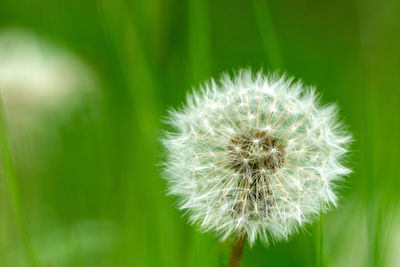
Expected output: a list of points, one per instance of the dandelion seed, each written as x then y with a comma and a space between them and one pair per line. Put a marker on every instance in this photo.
260, 165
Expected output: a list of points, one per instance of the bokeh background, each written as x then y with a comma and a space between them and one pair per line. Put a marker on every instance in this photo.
85, 85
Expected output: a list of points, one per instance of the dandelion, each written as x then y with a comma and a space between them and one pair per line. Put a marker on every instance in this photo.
39, 77
42, 84
254, 156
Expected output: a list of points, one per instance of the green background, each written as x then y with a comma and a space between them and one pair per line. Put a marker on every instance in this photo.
99, 198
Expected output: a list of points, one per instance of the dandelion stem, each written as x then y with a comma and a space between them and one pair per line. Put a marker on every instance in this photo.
14, 190
237, 251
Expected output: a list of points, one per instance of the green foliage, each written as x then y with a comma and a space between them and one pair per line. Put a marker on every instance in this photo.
87, 186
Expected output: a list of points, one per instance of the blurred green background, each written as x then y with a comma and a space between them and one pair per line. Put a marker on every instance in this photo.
80, 182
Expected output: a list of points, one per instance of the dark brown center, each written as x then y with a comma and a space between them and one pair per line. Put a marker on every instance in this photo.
255, 152
255, 155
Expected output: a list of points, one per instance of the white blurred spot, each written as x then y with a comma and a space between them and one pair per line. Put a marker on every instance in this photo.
38, 76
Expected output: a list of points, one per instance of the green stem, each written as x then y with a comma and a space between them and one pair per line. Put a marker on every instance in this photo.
14, 189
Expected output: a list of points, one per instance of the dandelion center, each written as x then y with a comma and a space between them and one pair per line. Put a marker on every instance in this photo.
255, 153
255, 156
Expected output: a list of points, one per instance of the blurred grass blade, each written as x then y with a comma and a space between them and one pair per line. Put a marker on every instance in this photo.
118, 20
268, 34
199, 40
319, 238
14, 190
200, 64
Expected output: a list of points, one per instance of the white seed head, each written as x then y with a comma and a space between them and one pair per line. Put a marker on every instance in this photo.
255, 155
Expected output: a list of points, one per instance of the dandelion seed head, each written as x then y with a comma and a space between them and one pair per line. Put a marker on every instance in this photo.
254, 154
